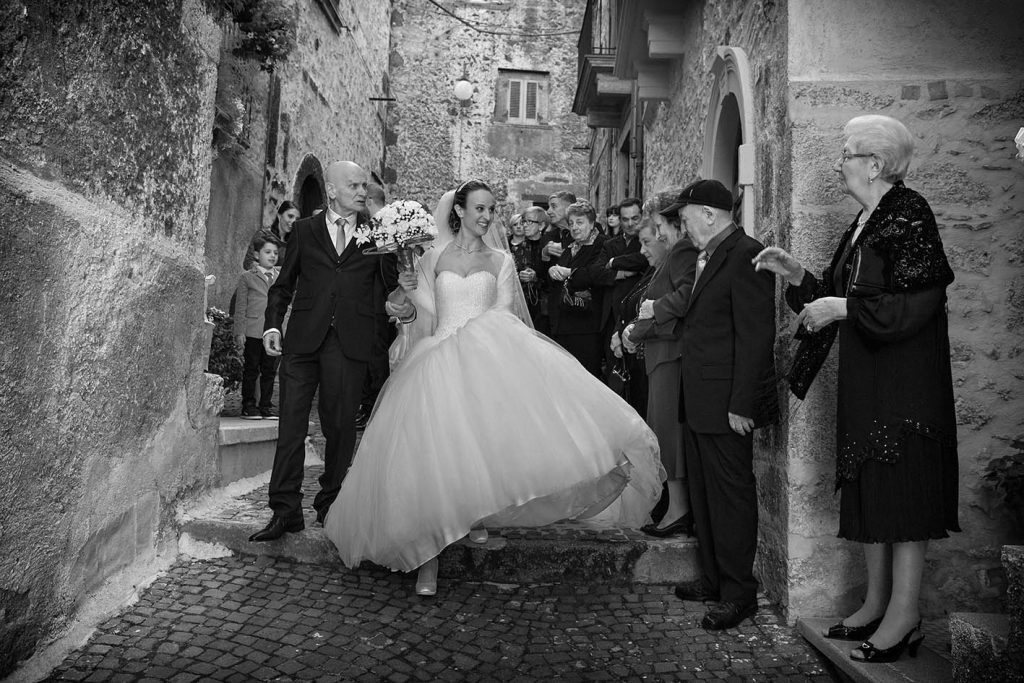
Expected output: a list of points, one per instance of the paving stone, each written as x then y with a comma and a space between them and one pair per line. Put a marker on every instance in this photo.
310, 622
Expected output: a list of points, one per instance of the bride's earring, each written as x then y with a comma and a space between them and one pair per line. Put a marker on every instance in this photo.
426, 580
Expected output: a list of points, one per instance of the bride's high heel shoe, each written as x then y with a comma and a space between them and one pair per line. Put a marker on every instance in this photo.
478, 535
426, 580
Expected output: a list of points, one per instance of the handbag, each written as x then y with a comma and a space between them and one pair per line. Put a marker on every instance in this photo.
868, 276
579, 302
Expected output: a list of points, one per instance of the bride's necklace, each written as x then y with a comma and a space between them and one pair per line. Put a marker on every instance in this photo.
468, 251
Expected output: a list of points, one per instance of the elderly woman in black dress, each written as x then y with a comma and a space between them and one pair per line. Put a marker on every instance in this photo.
576, 299
885, 295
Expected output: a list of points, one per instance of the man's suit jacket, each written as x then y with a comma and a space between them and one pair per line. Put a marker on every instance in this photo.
586, 268
670, 290
728, 341
329, 289
251, 302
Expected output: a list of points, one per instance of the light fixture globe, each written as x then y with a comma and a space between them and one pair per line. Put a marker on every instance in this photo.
463, 90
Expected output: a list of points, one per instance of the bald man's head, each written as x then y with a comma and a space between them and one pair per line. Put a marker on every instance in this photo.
346, 187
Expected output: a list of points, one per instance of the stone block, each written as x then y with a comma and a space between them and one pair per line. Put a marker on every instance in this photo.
980, 649
245, 448
910, 92
1013, 564
937, 90
961, 89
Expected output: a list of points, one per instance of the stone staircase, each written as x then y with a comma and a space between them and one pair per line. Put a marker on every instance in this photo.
989, 648
584, 551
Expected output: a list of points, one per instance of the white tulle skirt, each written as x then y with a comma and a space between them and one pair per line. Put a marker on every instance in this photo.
495, 426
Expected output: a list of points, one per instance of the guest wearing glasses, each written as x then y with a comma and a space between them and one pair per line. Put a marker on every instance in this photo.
884, 296
526, 253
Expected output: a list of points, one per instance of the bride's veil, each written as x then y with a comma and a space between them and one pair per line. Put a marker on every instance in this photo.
423, 296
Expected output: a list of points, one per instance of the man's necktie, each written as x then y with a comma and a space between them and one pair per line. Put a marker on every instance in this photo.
702, 260
340, 241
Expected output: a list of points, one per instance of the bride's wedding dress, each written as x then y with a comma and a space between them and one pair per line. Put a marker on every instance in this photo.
487, 423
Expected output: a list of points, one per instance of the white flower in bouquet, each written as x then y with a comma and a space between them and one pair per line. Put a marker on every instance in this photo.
400, 222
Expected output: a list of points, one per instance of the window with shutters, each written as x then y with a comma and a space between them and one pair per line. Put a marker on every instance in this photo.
522, 97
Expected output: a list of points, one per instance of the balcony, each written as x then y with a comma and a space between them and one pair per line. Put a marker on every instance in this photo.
600, 96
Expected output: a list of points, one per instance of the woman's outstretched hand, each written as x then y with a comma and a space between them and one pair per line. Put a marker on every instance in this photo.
779, 262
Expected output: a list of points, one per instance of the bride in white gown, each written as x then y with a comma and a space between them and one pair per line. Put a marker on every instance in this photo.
441, 457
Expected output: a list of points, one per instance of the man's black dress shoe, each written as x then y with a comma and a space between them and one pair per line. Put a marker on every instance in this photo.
695, 590
278, 527
683, 525
728, 614
321, 516
842, 632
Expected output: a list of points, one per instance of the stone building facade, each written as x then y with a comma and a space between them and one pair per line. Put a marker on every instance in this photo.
275, 133
755, 94
138, 156
516, 132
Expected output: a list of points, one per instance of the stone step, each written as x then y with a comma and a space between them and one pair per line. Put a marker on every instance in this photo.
245, 448
980, 648
585, 551
927, 667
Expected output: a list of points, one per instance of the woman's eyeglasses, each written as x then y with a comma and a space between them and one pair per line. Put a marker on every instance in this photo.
846, 156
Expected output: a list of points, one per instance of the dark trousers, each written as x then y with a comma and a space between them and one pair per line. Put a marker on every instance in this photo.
379, 368
341, 386
723, 496
586, 348
257, 364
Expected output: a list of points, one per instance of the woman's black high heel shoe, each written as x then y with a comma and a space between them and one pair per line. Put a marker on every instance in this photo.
867, 652
841, 631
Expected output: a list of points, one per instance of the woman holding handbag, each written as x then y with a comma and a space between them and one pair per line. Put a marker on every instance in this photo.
576, 299
884, 294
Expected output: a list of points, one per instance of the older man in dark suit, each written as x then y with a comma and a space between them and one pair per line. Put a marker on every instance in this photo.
336, 292
727, 392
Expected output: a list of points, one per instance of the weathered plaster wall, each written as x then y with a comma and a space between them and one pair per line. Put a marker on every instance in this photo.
950, 71
434, 142
105, 116
674, 149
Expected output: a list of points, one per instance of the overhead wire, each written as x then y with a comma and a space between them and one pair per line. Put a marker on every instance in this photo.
483, 28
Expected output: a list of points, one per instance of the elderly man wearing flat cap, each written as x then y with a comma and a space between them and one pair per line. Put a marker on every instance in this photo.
728, 391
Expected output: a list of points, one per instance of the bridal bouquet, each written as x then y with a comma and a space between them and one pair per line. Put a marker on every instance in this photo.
400, 225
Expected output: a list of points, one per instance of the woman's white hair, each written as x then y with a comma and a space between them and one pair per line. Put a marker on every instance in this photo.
884, 137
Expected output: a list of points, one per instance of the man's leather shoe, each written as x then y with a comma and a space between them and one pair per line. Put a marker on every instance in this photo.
728, 614
695, 590
321, 515
683, 525
278, 527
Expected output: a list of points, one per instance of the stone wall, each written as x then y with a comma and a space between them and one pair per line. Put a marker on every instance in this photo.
314, 109
434, 141
950, 72
674, 156
105, 117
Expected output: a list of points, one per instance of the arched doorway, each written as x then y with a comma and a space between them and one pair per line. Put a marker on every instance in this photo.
311, 197
729, 132
308, 192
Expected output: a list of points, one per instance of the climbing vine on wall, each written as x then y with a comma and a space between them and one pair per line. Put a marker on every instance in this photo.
267, 28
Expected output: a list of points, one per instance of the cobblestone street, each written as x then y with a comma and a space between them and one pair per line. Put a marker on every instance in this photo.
242, 619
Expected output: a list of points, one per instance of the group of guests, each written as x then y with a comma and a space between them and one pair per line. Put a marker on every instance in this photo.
676, 310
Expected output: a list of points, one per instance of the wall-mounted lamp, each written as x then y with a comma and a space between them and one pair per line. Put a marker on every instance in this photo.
463, 89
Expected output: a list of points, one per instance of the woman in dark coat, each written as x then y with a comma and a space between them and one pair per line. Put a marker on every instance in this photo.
576, 298
661, 337
885, 295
